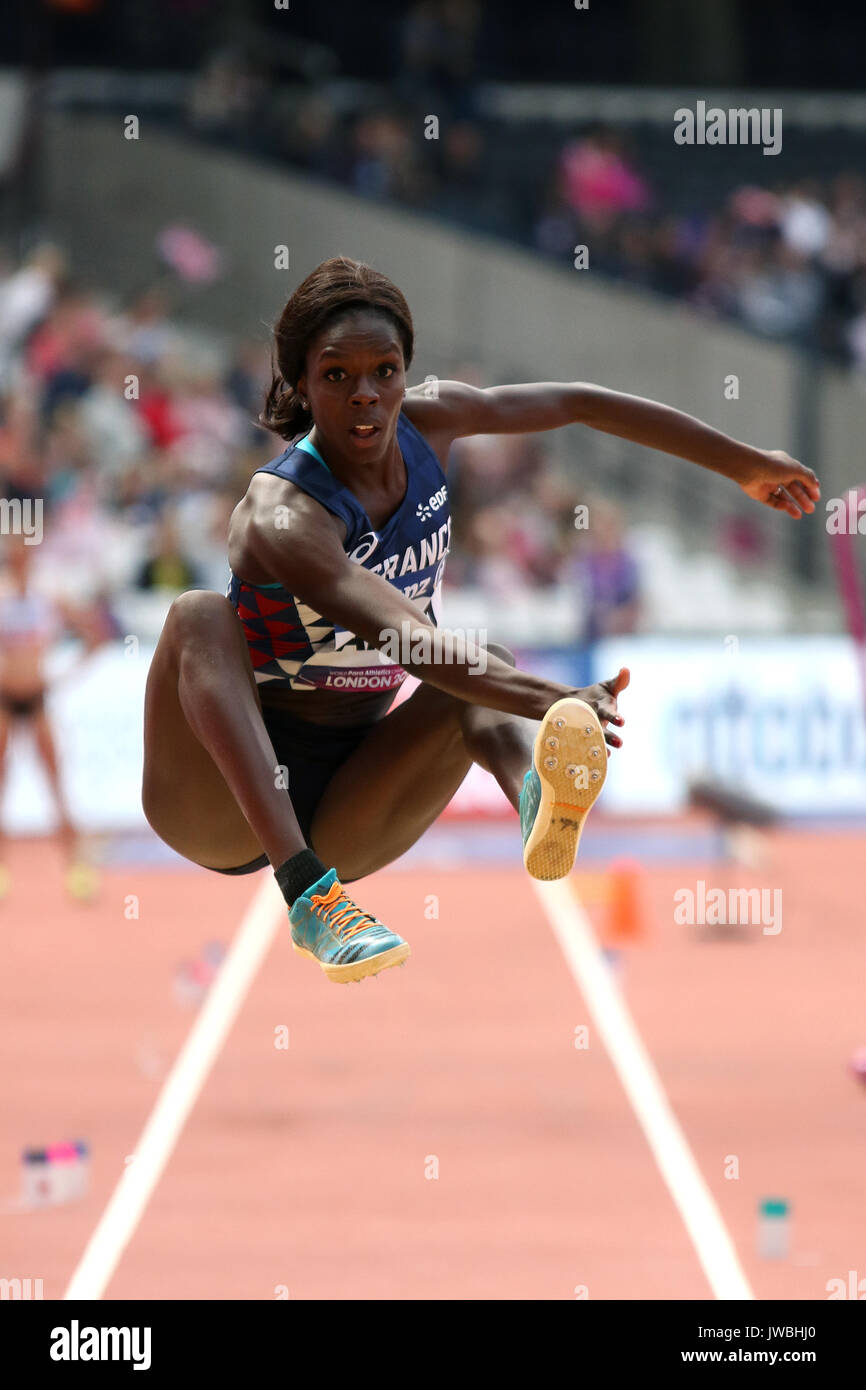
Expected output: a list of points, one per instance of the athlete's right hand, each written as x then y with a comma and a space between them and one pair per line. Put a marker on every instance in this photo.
602, 698
781, 482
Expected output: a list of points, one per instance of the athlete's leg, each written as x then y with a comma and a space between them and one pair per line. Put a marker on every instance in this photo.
46, 749
5, 723
500, 743
406, 770
210, 787
4, 750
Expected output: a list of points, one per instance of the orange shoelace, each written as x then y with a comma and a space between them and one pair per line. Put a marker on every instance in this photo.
338, 906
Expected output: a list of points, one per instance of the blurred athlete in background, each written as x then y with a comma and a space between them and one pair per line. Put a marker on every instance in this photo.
32, 619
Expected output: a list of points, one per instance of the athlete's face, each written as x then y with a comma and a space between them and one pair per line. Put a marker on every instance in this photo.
354, 382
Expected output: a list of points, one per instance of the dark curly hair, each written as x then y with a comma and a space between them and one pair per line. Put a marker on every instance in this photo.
335, 287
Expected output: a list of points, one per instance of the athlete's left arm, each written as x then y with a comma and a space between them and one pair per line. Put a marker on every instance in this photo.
458, 410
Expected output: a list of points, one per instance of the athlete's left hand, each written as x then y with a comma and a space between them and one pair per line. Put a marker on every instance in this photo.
782, 483
602, 698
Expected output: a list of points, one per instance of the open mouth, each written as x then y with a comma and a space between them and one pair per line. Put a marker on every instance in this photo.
364, 431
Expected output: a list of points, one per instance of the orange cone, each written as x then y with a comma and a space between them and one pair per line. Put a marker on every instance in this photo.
626, 913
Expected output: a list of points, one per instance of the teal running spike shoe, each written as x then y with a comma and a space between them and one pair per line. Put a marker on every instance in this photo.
348, 944
569, 765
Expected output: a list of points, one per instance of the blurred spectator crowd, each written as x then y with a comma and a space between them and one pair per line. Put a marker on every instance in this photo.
137, 440
788, 263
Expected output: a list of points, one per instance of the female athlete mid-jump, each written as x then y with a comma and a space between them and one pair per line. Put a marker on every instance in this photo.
267, 733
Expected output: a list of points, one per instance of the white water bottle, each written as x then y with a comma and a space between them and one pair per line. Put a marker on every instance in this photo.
774, 1229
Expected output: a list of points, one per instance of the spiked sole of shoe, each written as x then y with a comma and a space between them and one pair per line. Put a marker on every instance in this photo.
570, 757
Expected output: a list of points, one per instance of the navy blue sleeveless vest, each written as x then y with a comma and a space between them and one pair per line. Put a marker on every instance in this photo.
291, 643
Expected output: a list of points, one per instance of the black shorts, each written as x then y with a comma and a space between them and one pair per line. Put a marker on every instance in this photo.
22, 706
311, 754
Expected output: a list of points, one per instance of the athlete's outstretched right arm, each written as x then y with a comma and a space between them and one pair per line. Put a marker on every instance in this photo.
307, 557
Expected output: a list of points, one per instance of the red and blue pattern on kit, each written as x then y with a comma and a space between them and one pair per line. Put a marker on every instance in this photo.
288, 641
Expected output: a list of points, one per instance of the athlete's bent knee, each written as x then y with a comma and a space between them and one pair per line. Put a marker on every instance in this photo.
195, 611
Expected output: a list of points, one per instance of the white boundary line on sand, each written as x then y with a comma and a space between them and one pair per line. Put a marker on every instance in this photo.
641, 1083
180, 1091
